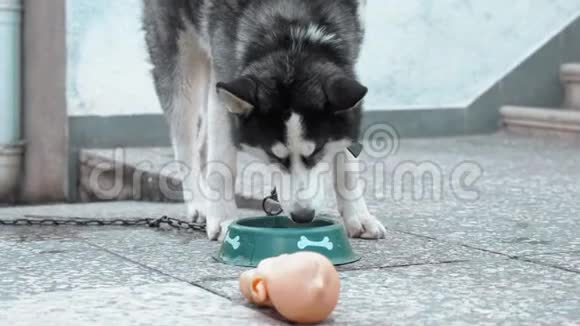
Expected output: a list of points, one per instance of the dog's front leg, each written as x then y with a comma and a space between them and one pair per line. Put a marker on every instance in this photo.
221, 170
352, 206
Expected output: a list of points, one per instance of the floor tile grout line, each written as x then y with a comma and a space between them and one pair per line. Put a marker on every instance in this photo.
455, 243
536, 262
192, 283
551, 253
511, 257
444, 262
362, 269
154, 269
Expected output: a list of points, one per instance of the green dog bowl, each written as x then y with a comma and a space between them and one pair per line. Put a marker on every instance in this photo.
251, 240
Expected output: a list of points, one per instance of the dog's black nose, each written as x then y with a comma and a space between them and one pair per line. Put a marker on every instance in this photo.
303, 216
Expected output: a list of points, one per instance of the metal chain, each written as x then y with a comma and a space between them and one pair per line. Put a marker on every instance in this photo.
157, 223
270, 206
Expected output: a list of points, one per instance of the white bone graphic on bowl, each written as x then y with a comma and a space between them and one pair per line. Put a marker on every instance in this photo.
235, 242
305, 243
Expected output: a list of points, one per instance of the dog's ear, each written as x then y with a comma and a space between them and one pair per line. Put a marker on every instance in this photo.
345, 93
238, 96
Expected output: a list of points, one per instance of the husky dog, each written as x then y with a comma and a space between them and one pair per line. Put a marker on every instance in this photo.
275, 78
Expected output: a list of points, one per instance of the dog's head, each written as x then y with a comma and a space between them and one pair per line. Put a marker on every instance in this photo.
297, 117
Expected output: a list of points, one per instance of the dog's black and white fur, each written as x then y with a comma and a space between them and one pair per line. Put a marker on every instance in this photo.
275, 78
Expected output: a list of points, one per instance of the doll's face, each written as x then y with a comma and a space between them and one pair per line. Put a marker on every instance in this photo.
287, 274
303, 287
296, 275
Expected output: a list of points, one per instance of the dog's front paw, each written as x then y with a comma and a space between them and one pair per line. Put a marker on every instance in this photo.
195, 213
364, 227
219, 217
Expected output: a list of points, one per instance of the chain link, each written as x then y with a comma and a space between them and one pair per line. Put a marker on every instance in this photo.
271, 204
157, 223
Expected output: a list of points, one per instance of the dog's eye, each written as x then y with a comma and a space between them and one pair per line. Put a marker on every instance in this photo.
283, 162
279, 158
313, 158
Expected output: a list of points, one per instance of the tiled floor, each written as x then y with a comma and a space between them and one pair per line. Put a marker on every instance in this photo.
511, 255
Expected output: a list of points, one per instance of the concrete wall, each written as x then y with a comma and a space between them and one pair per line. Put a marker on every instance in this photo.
419, 53
446, 53
45, 111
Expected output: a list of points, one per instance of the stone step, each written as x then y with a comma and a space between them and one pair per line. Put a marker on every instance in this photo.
541, 120
148, 174
570, 77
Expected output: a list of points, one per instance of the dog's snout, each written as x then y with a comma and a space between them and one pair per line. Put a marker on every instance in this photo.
303, 216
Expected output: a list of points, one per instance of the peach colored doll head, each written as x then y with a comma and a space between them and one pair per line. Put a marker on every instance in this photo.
303, 287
